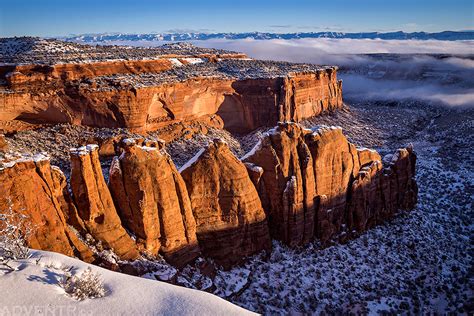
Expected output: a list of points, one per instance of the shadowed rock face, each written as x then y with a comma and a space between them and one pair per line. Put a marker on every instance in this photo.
317, 184
287, 183
95, 205
35, 189
378, 192
231, 223
153, 202
295, 185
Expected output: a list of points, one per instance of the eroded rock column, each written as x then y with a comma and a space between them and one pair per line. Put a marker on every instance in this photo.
95, 205
153, 203
287, 187
31, 187
231, 223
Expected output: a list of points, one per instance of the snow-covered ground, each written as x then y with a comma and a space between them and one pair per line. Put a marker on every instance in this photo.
421, 262
34, 290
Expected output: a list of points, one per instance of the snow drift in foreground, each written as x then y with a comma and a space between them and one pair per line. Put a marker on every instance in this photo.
34, 289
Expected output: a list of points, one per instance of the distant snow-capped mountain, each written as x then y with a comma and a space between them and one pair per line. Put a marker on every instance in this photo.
446, 36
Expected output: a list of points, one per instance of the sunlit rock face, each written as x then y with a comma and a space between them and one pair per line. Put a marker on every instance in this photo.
155, 89
94, 203
231, 223
153, 203
315, 184
33, 190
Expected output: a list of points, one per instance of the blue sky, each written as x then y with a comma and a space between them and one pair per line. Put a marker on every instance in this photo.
64, 17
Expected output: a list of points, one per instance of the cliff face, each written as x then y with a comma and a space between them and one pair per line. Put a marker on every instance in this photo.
231, 223
296, 185
317, 184
95, 205
286, 186
34, 189
153, 202
56, 95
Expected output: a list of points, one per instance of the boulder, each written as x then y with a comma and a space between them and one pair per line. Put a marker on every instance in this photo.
152, 201
231, 223
95, 205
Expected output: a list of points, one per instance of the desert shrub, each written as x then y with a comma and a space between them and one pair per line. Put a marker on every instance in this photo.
14, 231
88, 284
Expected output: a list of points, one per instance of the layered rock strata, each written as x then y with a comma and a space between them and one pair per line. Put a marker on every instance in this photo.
296, 185
31, 188
153, 203
317, 184
156, 91
95, 205
231, 223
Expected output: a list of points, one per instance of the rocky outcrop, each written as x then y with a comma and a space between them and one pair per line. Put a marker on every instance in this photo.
153, 202
378, 192
20, 75
317, 184
231, 223
286, 186
335, 163
151, 92
95, 205
32, 188
295, 185
243, 105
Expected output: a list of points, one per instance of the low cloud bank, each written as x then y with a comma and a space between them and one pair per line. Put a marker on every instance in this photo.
307, 50
361, 87
447, 79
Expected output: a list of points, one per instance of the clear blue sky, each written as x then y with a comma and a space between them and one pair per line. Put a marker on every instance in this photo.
64, 17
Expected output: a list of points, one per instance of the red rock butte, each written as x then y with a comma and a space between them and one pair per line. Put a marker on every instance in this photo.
296, 185
144, 89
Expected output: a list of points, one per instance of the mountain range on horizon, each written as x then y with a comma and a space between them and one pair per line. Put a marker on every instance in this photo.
399, 35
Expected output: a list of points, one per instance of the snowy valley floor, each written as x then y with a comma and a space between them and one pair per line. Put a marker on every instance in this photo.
421, 262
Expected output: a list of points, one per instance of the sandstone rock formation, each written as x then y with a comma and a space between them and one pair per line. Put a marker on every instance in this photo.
153, 203
95, 205
317, 184
243, 104
231, 223
31, 187
287, 184
151, 93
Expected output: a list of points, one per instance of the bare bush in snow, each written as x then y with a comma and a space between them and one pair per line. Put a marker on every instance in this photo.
14, 231
88, 284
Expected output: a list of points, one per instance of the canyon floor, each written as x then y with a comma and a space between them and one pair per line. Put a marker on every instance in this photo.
421, 262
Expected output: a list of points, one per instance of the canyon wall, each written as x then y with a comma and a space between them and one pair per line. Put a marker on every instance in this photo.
55, 95
296, 185
317, 184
